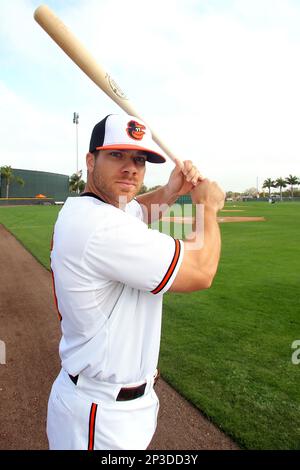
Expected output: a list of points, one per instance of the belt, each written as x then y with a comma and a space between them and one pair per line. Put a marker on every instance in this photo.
126, 393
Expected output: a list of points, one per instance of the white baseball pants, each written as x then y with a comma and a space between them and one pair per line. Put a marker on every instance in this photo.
87, 416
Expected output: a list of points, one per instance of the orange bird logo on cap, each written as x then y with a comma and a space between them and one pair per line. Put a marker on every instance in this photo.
135, 130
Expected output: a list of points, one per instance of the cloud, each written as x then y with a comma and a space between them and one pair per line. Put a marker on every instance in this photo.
32, 138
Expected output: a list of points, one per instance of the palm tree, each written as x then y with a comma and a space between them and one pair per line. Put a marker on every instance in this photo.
81, 186
280, 183
8, 175
292, 180
269, 183
76, 184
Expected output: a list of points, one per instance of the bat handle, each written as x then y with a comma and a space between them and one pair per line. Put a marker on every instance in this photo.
171, 155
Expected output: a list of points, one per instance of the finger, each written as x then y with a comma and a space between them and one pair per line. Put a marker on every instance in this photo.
194, 175
198, 178
189, 170
179, 164
187, 165
191, 174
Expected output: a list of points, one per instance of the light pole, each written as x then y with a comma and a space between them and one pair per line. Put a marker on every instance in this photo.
76, 121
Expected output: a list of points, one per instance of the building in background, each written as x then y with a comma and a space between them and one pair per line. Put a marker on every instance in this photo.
51, 185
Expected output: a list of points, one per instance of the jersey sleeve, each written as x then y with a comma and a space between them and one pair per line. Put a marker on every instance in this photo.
127, 251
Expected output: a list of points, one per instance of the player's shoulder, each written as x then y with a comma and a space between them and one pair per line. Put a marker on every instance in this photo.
100, 213
84, 211
88, 203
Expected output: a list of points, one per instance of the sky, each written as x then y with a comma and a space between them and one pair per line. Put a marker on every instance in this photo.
218, 80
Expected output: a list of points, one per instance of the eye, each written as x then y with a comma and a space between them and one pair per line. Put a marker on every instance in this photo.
115, 154
140, 160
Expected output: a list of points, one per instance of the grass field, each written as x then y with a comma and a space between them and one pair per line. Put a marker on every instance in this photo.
227, 349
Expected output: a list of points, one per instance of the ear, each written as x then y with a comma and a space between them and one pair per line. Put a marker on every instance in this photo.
90, 162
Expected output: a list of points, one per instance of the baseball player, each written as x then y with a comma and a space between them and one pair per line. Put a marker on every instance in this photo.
110, 272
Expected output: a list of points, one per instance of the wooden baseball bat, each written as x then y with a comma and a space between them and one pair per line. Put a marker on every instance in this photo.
68, 42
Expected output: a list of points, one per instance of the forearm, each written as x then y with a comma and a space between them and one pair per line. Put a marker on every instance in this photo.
204, 246
156, 202
209, 255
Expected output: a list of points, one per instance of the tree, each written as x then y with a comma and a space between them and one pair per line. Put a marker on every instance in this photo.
81, 186
251, 192
280, 183
154, 188
143, 189
269, 183
76, 184
292, 181
8, 175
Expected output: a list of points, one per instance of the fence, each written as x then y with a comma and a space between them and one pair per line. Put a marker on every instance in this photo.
51, 185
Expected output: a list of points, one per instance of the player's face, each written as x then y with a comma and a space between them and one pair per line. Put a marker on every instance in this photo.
116, 173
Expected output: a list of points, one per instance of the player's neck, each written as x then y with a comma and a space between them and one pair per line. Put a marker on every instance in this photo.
119, 202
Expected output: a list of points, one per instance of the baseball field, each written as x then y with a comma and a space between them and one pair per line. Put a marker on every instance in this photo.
228, 349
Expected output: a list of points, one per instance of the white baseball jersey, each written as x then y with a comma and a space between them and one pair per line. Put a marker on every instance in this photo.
110, 272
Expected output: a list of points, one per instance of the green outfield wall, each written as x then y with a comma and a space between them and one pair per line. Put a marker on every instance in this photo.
51, 185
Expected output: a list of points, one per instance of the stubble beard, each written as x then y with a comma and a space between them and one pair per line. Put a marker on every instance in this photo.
111, 196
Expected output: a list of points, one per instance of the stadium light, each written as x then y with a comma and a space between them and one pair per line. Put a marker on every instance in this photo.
76, 121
